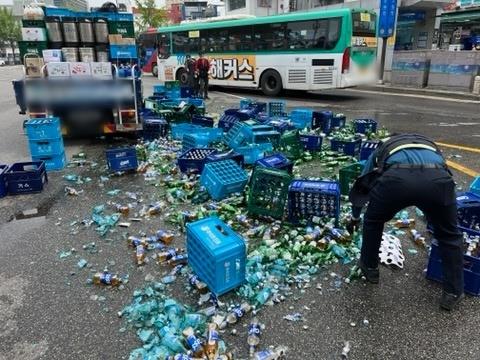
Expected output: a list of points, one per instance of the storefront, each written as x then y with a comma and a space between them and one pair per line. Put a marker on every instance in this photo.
415, 29
460, 30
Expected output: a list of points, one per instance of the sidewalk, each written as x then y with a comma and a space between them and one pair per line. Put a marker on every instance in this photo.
387, 88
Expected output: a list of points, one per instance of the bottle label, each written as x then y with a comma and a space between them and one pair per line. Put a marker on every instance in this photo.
171, 253
194, 343
263, 355
106, 278
254, 329
136, 241
238, 312
194, 280
213, 336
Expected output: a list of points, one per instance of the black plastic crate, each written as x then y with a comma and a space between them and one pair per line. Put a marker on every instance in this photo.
322, 120
26, 178
194, 159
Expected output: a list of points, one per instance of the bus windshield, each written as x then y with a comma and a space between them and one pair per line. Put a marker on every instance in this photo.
364, 24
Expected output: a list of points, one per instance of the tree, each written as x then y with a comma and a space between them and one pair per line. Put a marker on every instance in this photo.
150, 15
10, 29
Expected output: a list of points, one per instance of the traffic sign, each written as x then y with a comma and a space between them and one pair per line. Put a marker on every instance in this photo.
386, 22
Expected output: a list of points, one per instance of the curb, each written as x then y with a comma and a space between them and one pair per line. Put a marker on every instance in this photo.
413, 91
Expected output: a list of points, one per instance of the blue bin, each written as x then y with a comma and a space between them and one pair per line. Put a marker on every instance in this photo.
223, 178
45, 128
306, 196
26, 178
311, 142
122, 159
3, 180
53, 162
46, 147
276, 161
216, 254
362, 126
348, 147
471, 270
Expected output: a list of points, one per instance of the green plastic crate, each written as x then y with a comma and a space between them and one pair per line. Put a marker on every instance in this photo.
348, 175
32, 47
290, 144
124, 28
268, 192
33, 23
172, 85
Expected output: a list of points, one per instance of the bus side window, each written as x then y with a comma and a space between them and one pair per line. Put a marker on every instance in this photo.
334, 28
269, 37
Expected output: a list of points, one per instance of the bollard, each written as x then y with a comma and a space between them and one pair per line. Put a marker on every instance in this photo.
476, 85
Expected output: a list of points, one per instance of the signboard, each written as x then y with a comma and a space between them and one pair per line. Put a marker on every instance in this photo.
386, 22
232, 67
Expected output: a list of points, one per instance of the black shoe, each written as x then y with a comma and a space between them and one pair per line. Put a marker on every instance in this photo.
371, 274
450, 301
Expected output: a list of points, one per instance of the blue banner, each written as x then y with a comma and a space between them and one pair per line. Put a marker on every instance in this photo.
386, 22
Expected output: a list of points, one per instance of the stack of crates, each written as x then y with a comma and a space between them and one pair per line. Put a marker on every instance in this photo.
268, 192
301, 118
122, 159
223, 178
363, 126
276, 161
216, 254
277, 109
172, 89
313, 198
3, 180
346, 146
468, 213
290, 144
367, 148
26, 178
322, 120
347, 176
34, 38
194, 160
46, 143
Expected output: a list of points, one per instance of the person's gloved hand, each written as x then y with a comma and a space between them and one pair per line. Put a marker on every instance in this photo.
353, 225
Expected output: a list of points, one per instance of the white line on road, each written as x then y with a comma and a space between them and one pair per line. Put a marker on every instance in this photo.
417, 96
290, 100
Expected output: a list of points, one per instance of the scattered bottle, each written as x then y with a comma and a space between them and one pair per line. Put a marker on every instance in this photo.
275, 354
404, 223
211, 345
346, 350
196, 283
156, 208
253, 339
134, 241
243, 220
417, 238
168, 254
180, 259
314, 235
164, 236
106, 278
140, 255
193, 342
238, 312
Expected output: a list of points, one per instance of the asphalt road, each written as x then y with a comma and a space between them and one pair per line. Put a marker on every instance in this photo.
48, 312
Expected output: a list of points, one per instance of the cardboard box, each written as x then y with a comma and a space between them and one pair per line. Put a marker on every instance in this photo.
33, 66
101, 70
115, 39
79, 70
34, 34
52, 56
58, 69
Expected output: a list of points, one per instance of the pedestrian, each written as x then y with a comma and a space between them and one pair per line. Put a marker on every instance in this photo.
192, 78
203, 68
409, 170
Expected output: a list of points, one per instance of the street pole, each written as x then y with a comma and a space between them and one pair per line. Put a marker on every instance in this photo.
382, 60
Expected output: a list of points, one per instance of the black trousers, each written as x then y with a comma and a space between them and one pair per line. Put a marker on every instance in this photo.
433, 192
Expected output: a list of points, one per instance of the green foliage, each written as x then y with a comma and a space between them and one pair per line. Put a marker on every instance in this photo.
150, 15
10, 28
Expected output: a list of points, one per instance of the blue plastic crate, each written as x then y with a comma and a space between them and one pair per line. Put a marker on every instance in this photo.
186, 91
322, 120
362, 126
367, 148
61, 12
194, 159
46, 147
191, 141
311, 142
301, 118
338, 121
45, 128
3, 180
468, 213
178, 130
271, 136
173, 94
281, 125
53, 162
247, 113
236, 137
471, 270
123, 52
253, 152
202, 120
223, 178
159, 90
348, 147
262, 118
313, 198
26, 177
245, 103
226, 122
216, 254
276, 161
122, 159
475, 186
198, 102
228, 155
154, 128
124, 16
277, 108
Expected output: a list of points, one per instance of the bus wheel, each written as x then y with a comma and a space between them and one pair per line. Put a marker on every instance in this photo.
155, 70
271, 83
182, 76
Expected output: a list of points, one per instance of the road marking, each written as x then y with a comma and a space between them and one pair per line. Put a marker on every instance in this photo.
459, 147
439, 98
462, 168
